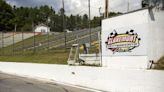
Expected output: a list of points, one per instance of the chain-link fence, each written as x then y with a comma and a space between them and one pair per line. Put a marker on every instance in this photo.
22, 43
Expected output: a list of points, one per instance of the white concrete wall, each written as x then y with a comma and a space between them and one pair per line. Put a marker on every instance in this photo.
151, 34
125, 62
136, 58
101, 78
156, 36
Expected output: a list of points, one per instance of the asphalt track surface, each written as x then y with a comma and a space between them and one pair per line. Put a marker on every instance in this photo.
12, 83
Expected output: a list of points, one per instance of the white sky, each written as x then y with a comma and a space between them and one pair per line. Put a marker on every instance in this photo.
81, 6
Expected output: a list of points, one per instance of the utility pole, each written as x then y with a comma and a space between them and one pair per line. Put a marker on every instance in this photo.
106, 9
63, 10
89, 6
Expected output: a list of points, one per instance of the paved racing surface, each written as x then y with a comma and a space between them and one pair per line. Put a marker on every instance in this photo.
10, 83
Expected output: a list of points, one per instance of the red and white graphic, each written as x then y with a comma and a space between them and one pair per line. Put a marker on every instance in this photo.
124, 42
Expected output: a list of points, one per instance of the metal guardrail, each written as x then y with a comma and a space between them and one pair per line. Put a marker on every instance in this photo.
71, 38
48, 41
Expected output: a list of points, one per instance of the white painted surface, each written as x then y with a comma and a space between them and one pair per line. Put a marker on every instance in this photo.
113, 80
136, 58
151, 44
127, 20
126, 62
156, 36
91, 59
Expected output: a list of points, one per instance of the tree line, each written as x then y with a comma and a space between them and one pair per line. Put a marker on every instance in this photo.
26, 18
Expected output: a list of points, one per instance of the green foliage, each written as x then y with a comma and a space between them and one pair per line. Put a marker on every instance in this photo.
6, 16
25, 18
27, 27
96, 22
55, 57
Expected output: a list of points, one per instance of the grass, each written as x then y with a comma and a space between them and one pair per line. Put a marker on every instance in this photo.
18, 47
29, 41
160, 64
55, 57
8, 50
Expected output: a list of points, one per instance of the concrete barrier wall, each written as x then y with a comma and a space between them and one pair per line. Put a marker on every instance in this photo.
150, 46
126, 62
112, 80
156, 36
137, 58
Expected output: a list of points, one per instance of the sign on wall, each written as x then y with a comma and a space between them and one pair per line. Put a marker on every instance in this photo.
122, 42
125, 41
126, 35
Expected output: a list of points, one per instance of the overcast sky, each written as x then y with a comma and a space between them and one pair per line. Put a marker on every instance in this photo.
80, 6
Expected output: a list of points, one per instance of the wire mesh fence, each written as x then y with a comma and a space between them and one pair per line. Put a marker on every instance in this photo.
22, 43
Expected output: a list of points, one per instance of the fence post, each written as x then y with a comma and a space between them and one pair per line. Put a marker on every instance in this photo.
33, 37
77, 39
48, 40
2, 43
65, 37
22, 42
13, 42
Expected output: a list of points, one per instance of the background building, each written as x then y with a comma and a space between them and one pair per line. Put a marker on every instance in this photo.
42, 28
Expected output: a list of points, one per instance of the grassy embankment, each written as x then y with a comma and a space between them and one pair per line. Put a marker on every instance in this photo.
53, 56
59, 57
17, 47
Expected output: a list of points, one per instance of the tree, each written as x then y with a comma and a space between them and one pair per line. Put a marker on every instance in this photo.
78, 22
85, 20
71, 22
96, 21
6, 16
26, 17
